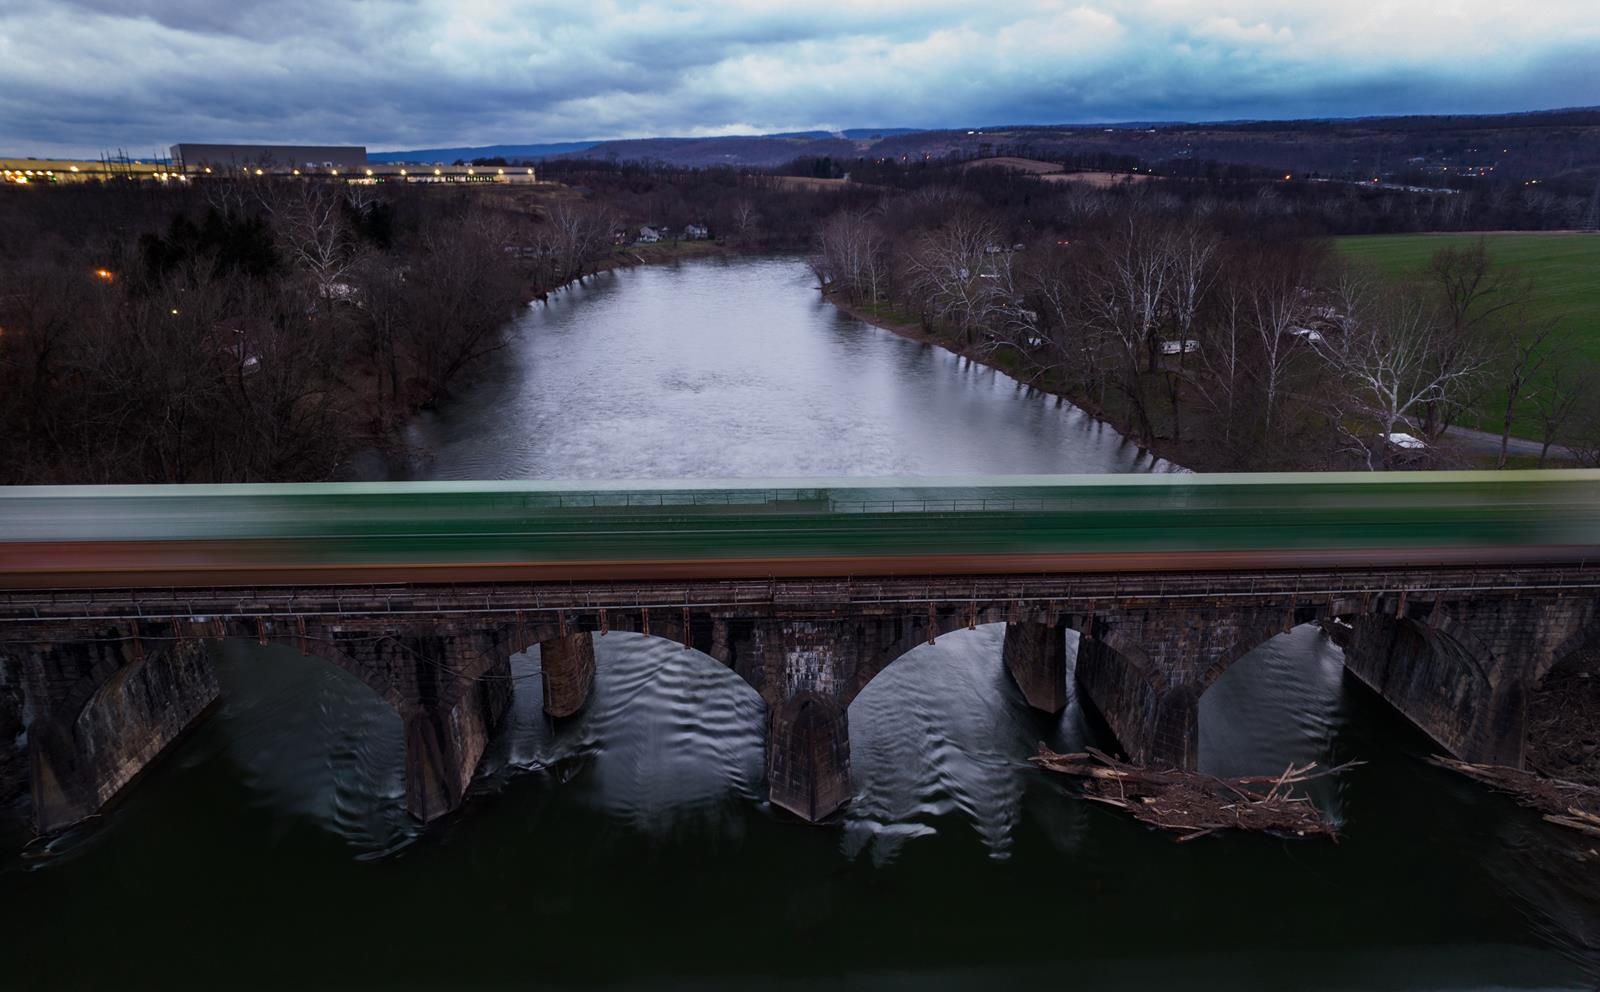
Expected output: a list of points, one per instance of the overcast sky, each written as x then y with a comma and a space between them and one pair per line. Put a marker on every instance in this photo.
81, 76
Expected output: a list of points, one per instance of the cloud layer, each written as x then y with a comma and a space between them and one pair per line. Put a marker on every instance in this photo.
82, 76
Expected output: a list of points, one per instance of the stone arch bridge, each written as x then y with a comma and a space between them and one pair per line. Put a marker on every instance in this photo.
110, 677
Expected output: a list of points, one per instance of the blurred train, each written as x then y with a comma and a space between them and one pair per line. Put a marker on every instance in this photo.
175, 536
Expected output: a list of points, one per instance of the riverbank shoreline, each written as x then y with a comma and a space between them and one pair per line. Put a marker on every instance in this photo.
918, 333
661, 253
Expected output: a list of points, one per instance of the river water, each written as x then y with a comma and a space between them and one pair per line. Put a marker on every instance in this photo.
631, 845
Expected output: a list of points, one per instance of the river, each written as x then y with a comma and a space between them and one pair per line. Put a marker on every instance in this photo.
631, 845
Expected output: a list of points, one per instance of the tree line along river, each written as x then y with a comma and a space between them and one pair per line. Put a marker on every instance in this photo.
631, 844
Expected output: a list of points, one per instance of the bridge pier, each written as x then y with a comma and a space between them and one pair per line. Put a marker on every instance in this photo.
104, 705
450, 682
808, 756
803, 669
446, 739
1035, 655
461, 691
568, 666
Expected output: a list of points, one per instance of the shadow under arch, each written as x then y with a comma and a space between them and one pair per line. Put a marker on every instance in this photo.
1145, 672
1277, 704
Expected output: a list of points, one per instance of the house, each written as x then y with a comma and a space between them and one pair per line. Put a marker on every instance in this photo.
697, 232
1307, 335
647, 236
1186, 347
229, 338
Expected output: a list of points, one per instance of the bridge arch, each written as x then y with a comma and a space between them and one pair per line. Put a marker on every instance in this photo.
449, 681
899, 637
1145, 670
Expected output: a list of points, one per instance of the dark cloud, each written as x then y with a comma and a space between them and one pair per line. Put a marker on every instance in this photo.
84, 75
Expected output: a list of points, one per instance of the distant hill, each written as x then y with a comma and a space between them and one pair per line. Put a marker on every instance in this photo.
447, 155
1536, 144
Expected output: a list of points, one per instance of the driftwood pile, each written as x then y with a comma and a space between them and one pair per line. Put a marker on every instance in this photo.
1570, 804
1194, 805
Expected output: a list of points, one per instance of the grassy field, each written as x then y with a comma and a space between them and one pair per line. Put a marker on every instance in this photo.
1565, 269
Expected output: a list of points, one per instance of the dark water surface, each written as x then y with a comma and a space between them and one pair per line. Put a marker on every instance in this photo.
631, 845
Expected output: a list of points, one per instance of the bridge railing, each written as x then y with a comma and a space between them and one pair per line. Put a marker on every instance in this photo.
788, 499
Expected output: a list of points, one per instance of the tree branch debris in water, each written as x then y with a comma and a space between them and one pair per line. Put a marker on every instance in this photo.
1194, 805
1570, 804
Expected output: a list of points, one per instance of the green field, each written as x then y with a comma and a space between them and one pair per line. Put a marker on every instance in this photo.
1565, 269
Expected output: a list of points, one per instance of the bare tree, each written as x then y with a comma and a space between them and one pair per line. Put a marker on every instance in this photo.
851, 255
1531, 349
1475, 295
1192, 250
575, 238
1393, 358
953, 272
745, 217
458, 295
309, 217
1275, 308
1068, 343
1225, 357
1564, 398
1128, 290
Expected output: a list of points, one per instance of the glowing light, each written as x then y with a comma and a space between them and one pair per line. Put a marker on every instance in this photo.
472, 172
530, 172
369, 172
208, 170
402, 172
258, 172
1286, 178
499, 172
174, 313
74, 168
437, 172
104, 275
333, 172
296, 171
